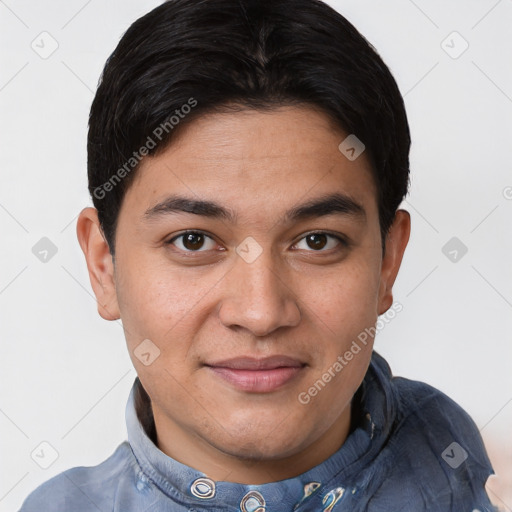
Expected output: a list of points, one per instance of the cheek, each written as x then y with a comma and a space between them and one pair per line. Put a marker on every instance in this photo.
346, 301
156, 302
344, 309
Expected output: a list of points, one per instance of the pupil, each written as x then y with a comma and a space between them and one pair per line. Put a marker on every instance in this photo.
193, 241
316, 241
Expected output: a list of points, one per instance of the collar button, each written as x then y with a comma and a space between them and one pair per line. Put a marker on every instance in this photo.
253, 501
203, 488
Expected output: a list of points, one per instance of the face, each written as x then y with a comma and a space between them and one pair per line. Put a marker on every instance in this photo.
248, 256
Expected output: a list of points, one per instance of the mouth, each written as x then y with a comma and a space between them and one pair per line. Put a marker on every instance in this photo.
255, 375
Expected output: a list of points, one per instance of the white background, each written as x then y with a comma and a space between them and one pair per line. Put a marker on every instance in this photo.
65, 373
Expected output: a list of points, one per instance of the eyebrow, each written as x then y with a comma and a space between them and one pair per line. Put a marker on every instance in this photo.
180, 204
331, 204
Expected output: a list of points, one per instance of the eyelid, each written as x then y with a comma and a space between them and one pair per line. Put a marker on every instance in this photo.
343, 241
187, 232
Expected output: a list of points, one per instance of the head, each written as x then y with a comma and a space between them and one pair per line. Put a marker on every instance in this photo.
246, 161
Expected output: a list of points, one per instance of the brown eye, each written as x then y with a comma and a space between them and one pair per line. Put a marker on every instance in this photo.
320, 242
316, 241
193, 241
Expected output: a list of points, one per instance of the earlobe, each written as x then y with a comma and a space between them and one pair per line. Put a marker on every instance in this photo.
99, 263
396, 242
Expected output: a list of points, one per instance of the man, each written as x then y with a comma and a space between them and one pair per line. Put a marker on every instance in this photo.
247, 160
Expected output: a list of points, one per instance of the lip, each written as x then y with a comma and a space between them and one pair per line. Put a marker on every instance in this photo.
257, 375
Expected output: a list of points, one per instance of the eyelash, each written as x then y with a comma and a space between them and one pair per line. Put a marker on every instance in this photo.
342, 241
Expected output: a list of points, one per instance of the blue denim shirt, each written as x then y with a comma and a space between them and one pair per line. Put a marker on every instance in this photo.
412, 449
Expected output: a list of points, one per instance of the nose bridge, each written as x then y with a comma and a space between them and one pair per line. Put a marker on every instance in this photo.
257, 297
263, 283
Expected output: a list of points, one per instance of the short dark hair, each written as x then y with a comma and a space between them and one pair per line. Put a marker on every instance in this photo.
187, 58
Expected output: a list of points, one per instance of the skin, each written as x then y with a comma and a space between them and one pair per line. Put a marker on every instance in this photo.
294, 300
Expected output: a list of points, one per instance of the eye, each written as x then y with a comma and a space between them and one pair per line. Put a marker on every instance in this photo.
193, 241
320, 242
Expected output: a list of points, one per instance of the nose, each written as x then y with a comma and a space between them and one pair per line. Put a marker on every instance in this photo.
258, 299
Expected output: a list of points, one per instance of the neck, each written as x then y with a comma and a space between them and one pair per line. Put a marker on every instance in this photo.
195, 452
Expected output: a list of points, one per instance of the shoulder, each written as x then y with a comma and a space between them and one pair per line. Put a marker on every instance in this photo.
437, 448
441, 418
83, 488
423, 414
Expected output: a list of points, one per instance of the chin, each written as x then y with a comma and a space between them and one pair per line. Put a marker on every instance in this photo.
260, 445
257, 454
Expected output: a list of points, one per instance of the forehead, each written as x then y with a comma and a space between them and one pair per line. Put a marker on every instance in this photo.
252, 158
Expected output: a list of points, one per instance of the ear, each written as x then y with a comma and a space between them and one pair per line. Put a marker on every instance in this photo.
396, 242
99, 263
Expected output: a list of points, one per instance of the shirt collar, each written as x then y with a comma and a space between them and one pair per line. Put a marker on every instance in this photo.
327, 481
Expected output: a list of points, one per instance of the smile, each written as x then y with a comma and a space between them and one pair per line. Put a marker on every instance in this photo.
257, 375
